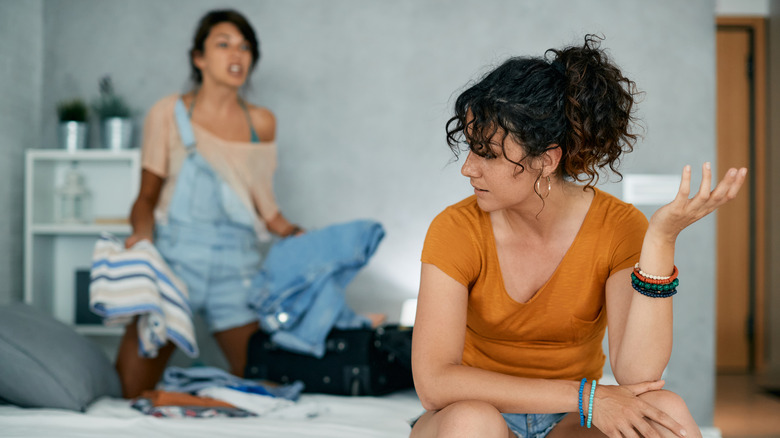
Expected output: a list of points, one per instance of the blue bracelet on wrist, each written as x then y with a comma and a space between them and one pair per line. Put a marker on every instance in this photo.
579, 400
590, 402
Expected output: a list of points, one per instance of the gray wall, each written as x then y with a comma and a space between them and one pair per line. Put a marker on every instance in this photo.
21, 70
362, 90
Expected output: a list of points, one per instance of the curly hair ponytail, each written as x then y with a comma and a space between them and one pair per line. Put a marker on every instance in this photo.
599, 108
578, 100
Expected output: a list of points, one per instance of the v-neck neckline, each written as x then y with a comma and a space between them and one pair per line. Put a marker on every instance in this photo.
494, 249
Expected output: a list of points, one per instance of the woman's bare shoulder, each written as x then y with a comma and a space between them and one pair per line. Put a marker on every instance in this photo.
264, 122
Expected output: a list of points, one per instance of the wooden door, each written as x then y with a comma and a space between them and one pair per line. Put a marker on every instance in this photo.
740, 118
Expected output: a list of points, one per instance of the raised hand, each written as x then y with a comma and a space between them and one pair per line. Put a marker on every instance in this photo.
619, 412
672, 218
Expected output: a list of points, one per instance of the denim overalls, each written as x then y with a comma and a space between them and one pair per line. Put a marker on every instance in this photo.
210, 240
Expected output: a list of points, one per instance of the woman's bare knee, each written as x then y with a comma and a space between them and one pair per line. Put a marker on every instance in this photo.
675, 406
467, 418
667, 401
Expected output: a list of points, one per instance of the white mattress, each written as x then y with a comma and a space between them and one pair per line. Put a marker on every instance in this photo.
343, 417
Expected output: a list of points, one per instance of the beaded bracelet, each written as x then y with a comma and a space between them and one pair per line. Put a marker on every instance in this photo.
652, 294
654, 286
657, 279
582, 413
590, 402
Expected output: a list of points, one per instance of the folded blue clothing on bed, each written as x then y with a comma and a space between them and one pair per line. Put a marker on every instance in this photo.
125, 283
299, 292
194, 379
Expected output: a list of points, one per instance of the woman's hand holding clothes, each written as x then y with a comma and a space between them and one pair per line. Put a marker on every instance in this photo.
672, 218
137, 237
619, 412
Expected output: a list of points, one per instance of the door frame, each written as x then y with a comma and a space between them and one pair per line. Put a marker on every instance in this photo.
757, 178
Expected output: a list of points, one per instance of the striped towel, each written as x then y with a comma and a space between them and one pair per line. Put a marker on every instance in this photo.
137, 281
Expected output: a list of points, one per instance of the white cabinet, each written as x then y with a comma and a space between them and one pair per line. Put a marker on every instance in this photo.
54, 251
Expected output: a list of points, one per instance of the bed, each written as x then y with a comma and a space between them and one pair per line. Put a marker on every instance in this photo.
46, 364
61, 384
343, 417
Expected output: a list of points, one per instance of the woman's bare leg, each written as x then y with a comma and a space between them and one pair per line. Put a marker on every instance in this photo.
675, 406
234, 343
463, 419
136, 373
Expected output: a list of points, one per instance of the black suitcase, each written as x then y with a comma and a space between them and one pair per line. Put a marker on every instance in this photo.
356, 362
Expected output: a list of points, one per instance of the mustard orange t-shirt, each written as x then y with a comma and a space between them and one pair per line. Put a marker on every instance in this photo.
557, 333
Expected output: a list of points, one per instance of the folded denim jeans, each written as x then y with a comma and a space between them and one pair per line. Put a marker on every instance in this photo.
299, 292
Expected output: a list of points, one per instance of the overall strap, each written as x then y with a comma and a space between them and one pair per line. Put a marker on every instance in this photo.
184, 125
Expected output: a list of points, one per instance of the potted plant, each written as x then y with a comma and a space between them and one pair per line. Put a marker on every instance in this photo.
116, 123
73, 124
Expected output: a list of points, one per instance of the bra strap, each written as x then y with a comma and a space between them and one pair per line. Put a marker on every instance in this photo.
253, 134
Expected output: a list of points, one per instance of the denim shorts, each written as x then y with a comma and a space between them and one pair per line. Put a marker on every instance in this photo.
526, 425
218, 271
532, 425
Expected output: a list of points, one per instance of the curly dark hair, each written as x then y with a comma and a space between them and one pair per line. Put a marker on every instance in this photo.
574, 98
210, 20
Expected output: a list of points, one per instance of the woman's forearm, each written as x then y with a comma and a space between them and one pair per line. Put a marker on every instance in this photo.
646, 344
142, 212
142, 218
442, 386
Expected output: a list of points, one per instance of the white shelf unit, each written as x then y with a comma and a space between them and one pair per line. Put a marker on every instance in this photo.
54, 251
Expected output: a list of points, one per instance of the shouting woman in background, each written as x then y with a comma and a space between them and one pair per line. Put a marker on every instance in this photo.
208, 160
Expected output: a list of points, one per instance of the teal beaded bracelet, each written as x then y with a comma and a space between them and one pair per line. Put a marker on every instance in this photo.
652, 294
654, 286
590, 402
654, 290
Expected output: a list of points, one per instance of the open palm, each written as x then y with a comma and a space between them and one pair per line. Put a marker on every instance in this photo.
672, 218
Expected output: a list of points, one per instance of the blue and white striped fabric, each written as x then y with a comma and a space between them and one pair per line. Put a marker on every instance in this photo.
125, 283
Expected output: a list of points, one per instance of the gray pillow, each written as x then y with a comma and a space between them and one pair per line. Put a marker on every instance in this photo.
44, 363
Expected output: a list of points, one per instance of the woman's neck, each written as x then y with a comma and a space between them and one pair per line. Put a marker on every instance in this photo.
215, 99
565, 205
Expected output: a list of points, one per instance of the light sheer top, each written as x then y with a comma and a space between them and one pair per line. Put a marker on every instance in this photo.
247, 167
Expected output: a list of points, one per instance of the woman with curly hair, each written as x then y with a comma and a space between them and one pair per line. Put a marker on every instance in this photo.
520, 280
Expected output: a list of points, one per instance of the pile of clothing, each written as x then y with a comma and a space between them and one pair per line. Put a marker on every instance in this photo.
202, 392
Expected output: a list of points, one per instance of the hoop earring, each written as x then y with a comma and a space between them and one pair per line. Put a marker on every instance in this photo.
539, 189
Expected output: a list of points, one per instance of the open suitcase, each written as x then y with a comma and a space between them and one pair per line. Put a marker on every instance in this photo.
356, 362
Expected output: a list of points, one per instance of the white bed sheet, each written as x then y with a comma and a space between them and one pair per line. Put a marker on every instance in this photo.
344, 417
